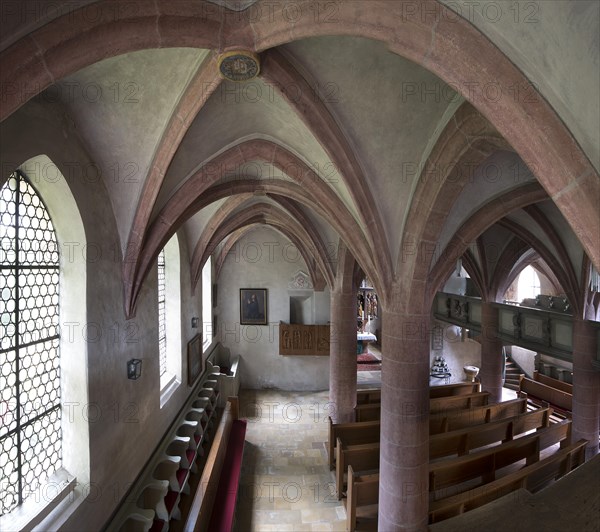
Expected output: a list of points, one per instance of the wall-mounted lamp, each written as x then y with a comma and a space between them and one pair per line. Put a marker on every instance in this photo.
195, 323
134, 368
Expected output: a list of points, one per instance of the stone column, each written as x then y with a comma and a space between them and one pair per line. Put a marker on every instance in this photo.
491, 353
586, 386
404, 462
342, 355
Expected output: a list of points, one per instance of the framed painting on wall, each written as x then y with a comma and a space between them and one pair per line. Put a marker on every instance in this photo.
194, 358
253, 306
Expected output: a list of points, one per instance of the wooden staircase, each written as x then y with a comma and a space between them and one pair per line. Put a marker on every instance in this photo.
512, 372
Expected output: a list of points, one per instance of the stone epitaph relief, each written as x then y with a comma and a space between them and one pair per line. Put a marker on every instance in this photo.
300, 281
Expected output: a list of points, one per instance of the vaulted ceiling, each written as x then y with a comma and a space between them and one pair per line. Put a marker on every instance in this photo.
340, 136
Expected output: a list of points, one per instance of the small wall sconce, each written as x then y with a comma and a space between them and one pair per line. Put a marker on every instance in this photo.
195, 323
134, 368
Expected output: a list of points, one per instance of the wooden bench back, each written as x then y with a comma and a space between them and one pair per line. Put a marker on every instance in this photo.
531, 477
553, 383
351, 434
444, 422
368, 395
363, 457
460, 388
485, 463
362, 490
367, 412
437, 405
543, 392
200, 511
464, 440
458, 402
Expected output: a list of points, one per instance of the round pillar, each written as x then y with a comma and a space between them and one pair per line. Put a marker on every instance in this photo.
342, 355
586, 386
491, 353
404, 462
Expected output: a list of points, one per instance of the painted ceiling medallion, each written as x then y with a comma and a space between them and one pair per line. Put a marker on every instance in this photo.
239, 65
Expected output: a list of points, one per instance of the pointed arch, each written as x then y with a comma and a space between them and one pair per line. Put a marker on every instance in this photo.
201, 189
445, 43
269, 215
483, 218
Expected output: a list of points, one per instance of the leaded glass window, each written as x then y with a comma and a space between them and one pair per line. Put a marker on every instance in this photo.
30, 408
162, 323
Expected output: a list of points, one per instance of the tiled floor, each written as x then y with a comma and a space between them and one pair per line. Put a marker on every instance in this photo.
286, 484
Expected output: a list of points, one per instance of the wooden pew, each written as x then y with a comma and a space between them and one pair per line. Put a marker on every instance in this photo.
553, 383
363, 490
459, 388
539, 393
363, 457
373, 395
368, 431
220, 476
353, 433
462, 441
368, 395
458, 402
484, 463
531, 477
448, 421
372, 412
362, 501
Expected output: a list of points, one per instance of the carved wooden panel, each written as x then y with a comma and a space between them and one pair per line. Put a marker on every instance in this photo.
297, 339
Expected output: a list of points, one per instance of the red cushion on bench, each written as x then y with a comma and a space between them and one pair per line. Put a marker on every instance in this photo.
181, 475
157, 525
221, 519
170, 500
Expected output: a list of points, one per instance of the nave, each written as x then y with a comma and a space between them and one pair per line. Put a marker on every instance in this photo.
286, 484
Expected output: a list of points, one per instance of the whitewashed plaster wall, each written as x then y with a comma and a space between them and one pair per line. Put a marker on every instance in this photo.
262, 366
525, 358
124, 417
457, 353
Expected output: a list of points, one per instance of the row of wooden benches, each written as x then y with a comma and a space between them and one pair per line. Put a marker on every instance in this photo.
372, 411
457, 428
443, 421
546, 390
363, 489
365, 456
213, 505
155, 498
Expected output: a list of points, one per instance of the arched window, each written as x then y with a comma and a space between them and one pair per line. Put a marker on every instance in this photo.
528, 285
207, 303
169, 319
162, 321
30, 391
